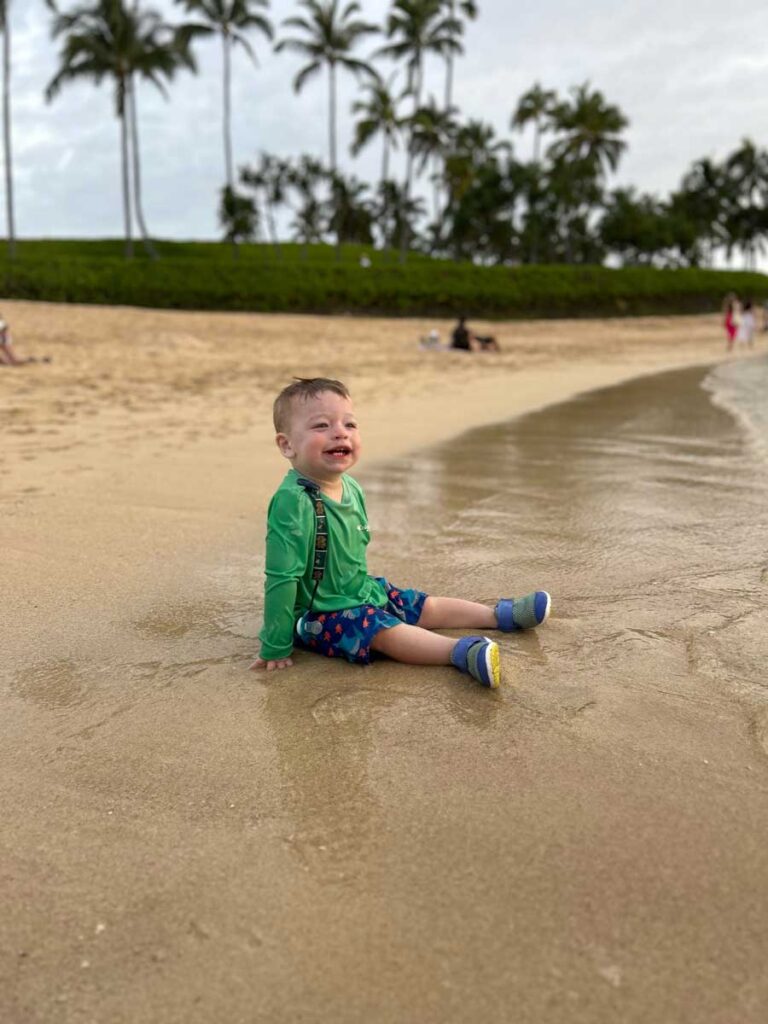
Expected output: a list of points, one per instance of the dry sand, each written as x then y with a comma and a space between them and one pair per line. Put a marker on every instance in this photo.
186, 842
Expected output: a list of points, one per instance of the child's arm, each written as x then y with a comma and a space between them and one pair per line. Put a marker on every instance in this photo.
290, 525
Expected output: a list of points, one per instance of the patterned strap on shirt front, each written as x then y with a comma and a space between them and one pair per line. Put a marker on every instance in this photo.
321, 533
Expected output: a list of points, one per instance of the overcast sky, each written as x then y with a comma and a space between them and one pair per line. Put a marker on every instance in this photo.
690, 75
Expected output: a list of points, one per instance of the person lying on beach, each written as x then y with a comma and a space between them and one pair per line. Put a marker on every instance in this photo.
318, 594
8, 355
466, 340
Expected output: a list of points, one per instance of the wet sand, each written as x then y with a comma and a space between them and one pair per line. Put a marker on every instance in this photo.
187, 842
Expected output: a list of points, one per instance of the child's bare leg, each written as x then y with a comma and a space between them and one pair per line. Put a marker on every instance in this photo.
455, 613
414, 645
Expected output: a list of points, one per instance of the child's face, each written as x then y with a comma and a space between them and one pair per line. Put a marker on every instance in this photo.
322, 440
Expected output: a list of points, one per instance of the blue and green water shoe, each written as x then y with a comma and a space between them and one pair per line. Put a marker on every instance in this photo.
513, 613
478, 657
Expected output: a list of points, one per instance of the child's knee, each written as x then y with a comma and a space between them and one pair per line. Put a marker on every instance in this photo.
385, 640
427, 615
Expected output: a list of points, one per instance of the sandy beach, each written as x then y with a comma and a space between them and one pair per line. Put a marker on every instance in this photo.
150, 433
185, 841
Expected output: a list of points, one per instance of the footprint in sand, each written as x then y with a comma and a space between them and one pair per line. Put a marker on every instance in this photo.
52, 684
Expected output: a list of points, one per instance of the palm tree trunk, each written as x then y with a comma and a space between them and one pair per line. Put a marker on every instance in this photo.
534, 250
406, 193
124, 147
332, 138
137, 171
448, 82
449, 66
227, 111
385, 159
272, 226
332, 115
7, 134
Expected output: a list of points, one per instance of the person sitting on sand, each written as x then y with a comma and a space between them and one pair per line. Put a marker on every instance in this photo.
465, 339
431, 340
318, 594
8, 355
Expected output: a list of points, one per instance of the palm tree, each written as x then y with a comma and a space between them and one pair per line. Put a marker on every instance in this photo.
469, 9
433, 130
633, 226
416, 28
591, 130
588, 146
327, 36
391, 208
702, 199
230, 19
379, 117
350, 211
473, 147
110, 39
573, 192
270, 179
530, 181
97, 44
5, 28
534, 106
309, 220
746, 174
238, 216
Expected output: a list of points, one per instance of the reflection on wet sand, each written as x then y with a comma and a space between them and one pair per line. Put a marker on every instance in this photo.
329, 740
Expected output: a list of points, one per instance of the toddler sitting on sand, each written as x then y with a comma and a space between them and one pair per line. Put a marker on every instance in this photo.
318, 593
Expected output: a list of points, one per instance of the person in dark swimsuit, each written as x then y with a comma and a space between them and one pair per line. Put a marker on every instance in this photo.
461, 337
465, 340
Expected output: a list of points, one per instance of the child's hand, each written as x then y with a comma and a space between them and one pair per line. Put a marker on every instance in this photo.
270, 666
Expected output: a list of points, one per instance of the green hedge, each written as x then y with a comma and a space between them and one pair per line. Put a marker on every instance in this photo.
207, 276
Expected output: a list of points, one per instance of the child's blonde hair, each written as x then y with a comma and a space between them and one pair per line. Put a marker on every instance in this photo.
302, 388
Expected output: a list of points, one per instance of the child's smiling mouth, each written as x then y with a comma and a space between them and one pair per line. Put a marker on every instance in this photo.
338, 451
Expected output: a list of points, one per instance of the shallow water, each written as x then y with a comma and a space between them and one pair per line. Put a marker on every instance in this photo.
395, 844
641, 508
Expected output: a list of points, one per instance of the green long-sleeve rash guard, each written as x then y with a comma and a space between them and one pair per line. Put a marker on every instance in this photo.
288, 590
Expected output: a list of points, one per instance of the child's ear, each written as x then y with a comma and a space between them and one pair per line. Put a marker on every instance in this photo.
283, 443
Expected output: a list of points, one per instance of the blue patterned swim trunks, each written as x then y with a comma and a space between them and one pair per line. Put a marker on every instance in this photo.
348, 633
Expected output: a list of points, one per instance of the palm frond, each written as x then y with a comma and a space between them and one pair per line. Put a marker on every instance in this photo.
305, 74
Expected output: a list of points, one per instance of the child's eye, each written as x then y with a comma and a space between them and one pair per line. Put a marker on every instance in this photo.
320, 426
